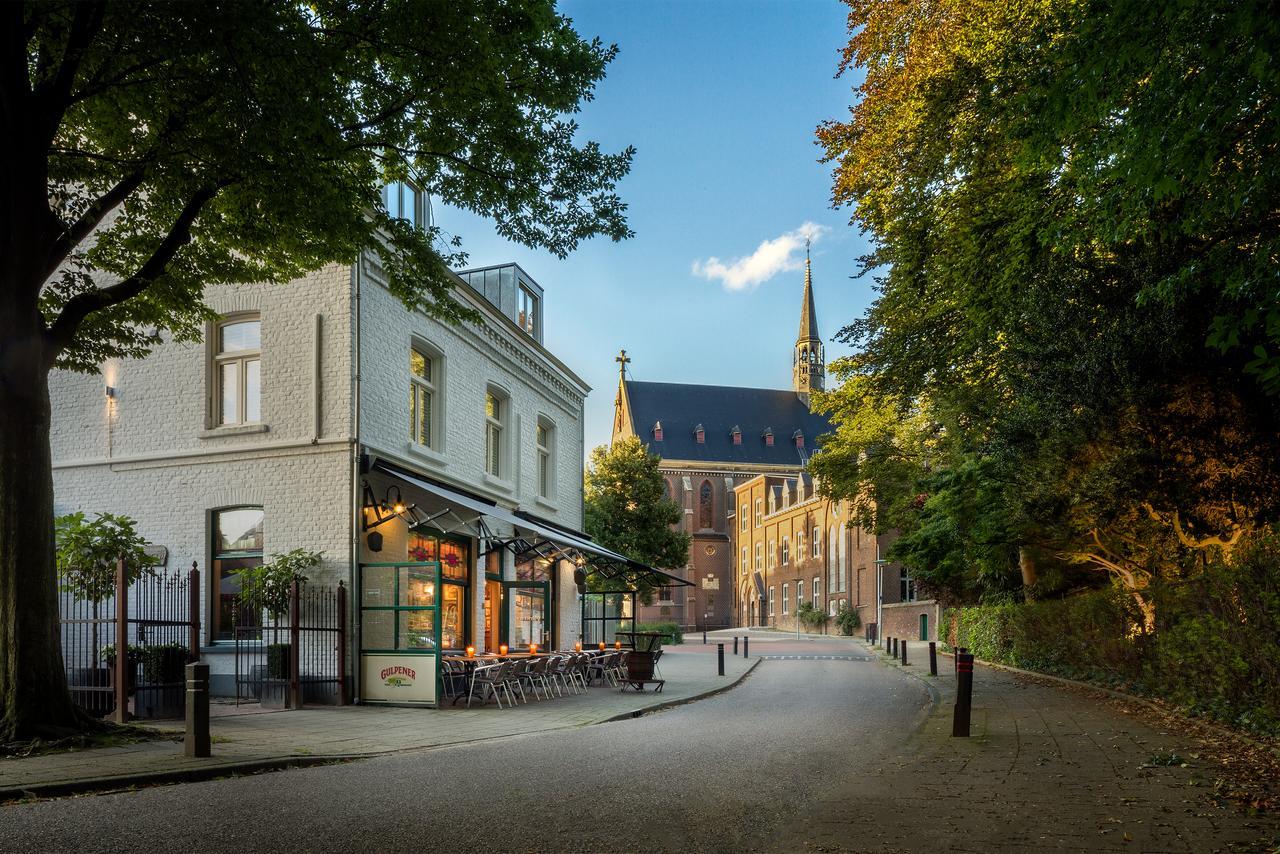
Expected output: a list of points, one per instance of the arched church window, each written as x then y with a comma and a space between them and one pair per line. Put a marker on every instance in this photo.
704, 505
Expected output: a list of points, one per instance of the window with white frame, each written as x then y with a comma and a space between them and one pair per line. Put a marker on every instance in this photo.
799, 546
786, 550
786, 599
759, 512
543, 439
237, 371
422, 397
744, 561
817, 591
742, 525
528, 306
770, 601
759, 557
495, 411
833, 584
405, 201
817, 542
773, 553
799, 593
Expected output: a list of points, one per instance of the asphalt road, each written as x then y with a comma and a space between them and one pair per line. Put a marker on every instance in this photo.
734, 772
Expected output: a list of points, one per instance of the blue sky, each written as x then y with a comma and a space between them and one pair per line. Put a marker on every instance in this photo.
721, 101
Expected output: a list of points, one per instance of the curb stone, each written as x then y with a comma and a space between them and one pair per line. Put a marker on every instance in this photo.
121, 782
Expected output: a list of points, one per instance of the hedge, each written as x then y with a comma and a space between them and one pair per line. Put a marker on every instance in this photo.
1214, 650
668, 628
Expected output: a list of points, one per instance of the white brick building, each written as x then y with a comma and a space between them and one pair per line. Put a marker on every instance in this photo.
306, 399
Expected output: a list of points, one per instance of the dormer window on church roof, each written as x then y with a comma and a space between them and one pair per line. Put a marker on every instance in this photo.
768, 436
700, 434
798, 436
657, 431
736, 435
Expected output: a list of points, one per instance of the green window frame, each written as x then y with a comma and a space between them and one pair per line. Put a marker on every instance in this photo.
401, 614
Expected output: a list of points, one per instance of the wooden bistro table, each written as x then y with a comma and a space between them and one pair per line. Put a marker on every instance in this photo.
640, 660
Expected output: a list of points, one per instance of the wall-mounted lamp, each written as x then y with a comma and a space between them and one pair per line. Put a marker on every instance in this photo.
111, 392
391, 506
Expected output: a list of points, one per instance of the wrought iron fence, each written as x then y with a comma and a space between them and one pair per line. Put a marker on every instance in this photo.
156, 622
298, 657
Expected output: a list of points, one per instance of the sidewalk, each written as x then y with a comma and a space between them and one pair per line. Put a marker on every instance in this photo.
248, 742
1046, 767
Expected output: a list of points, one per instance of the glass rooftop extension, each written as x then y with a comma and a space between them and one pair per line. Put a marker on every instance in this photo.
512, 291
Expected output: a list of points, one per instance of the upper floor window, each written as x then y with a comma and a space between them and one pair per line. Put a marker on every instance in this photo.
786, 599
759, 556
786, 551
906, 587
405, 201
422, 397
742, 526
528, 307
817, 590
817, 542
704, 505
773, 553
799, 593
546, 476
238, 371
759, 511
744, 560
494, 424
799, 546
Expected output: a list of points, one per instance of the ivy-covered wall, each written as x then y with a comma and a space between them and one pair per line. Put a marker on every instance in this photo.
1215, 650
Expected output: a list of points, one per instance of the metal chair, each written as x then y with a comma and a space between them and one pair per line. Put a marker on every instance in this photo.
492, 679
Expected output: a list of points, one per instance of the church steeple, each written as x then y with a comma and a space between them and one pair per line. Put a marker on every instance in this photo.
808, 370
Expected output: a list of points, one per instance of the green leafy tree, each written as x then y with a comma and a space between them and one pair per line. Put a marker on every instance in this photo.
153, 149
267, 586
1071, 362
87, 556
627, 509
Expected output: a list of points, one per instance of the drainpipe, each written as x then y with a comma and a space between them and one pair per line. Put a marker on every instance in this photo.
355, 513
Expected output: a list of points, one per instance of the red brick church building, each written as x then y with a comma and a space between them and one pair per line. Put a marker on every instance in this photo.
711, 439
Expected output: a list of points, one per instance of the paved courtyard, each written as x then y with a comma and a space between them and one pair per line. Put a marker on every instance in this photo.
821, 748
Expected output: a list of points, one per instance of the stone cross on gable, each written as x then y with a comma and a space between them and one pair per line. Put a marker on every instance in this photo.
622, 359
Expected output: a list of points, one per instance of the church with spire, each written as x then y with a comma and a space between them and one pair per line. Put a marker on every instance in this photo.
712, 439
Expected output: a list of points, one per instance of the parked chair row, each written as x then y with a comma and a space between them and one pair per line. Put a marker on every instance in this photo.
545, 677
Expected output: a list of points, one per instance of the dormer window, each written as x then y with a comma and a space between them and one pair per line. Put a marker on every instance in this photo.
736, 434
657, 431
700, 435
768, 436
799, 439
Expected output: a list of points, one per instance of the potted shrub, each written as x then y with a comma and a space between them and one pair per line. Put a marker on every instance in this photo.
811, 617
267, 587
87, 552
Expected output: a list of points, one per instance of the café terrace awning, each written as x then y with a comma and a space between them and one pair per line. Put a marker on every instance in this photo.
534, 537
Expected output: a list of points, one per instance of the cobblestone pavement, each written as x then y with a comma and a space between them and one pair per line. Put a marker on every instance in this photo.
366, 730
810, 753
1044, 769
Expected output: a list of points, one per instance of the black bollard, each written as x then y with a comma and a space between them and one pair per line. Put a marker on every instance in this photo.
893, 651
904, 652
745, 646
735, 644
955, 659
704, 637
196, 742
933, 658
964, 696
720, 657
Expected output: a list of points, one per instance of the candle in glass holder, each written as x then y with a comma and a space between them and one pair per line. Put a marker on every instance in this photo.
577, 647
617, 644
471, 652
533, 649
502, 649
602, 646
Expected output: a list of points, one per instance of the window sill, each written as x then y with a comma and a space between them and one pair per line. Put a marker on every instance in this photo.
430, 455
233, 430
547, 503
497, 482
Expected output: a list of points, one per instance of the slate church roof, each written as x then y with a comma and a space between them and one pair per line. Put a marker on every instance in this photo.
680, 408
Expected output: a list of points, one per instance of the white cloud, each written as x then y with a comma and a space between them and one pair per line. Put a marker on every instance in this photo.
771, 257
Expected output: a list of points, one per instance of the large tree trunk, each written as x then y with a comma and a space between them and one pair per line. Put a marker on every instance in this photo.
34, 701
1027, 563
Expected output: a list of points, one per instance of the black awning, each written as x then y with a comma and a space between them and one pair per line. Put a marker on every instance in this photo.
540, 537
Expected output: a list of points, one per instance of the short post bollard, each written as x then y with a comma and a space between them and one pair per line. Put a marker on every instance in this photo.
196, 741
964, 696
933, 658
904, 652
746, 642
735, 644
893, 647
955, 659
720, 657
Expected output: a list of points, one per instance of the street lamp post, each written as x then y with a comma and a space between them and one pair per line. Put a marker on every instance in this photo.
880, 562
